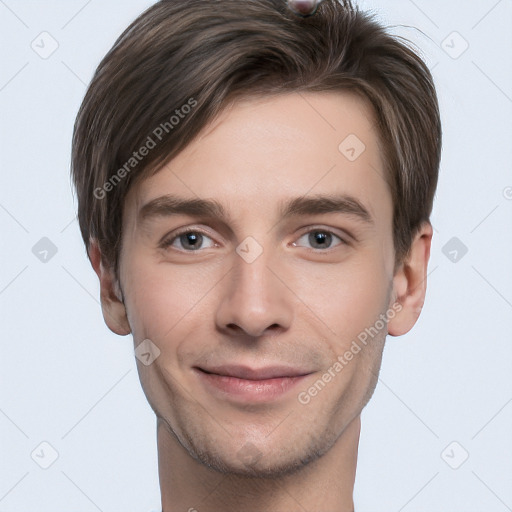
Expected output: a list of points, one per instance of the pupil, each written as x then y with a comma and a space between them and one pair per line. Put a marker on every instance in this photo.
320, 239
193, 240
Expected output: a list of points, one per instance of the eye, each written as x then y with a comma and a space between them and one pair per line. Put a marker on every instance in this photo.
320, 239
189, 241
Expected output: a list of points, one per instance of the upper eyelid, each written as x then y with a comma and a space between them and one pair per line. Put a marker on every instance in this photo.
168, 240
315, 227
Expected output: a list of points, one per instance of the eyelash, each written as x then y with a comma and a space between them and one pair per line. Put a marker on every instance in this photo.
166, 243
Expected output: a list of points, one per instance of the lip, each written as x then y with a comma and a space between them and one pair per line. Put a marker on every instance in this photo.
245, 372
241, 383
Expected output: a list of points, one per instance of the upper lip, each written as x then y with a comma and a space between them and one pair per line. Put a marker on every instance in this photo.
244, 372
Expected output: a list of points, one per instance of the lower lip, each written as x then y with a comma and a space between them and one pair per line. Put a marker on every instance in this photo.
250, 390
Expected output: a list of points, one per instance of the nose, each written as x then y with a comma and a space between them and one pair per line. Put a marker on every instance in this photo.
255, 300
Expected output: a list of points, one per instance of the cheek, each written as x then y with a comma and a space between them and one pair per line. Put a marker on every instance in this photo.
346, 298
161, 299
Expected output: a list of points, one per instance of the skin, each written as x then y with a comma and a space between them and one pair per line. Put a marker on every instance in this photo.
298, 303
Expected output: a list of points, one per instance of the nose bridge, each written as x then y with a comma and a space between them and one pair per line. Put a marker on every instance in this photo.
254, 289
251, 278
254, 299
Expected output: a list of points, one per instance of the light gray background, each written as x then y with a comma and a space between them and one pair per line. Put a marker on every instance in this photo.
66, 380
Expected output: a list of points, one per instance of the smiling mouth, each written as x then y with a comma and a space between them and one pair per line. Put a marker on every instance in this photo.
247, 373
248, 385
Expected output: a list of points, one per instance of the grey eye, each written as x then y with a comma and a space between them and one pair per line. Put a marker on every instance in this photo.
190, 240
319, 239
304, 7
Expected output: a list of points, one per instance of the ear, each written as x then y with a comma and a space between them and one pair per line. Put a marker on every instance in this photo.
410, 282
112, 306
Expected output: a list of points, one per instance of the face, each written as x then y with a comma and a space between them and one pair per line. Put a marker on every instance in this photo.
253, 262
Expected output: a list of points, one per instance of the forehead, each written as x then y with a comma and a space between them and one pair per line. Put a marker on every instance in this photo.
262, 151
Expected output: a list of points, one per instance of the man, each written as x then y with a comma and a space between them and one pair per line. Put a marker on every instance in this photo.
254, 193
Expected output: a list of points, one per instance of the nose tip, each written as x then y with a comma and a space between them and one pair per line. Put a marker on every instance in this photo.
304, 7
254, 330
253, 302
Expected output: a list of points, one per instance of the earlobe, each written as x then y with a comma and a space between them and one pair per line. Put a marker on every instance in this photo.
112, 306
410, 282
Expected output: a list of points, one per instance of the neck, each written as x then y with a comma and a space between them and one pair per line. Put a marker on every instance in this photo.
325, 484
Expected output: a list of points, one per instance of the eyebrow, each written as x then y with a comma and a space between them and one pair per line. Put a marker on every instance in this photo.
168, 205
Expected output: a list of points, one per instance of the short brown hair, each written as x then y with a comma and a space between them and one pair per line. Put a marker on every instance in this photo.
203, 54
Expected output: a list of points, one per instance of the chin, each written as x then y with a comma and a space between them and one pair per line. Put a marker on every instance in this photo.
269, 462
